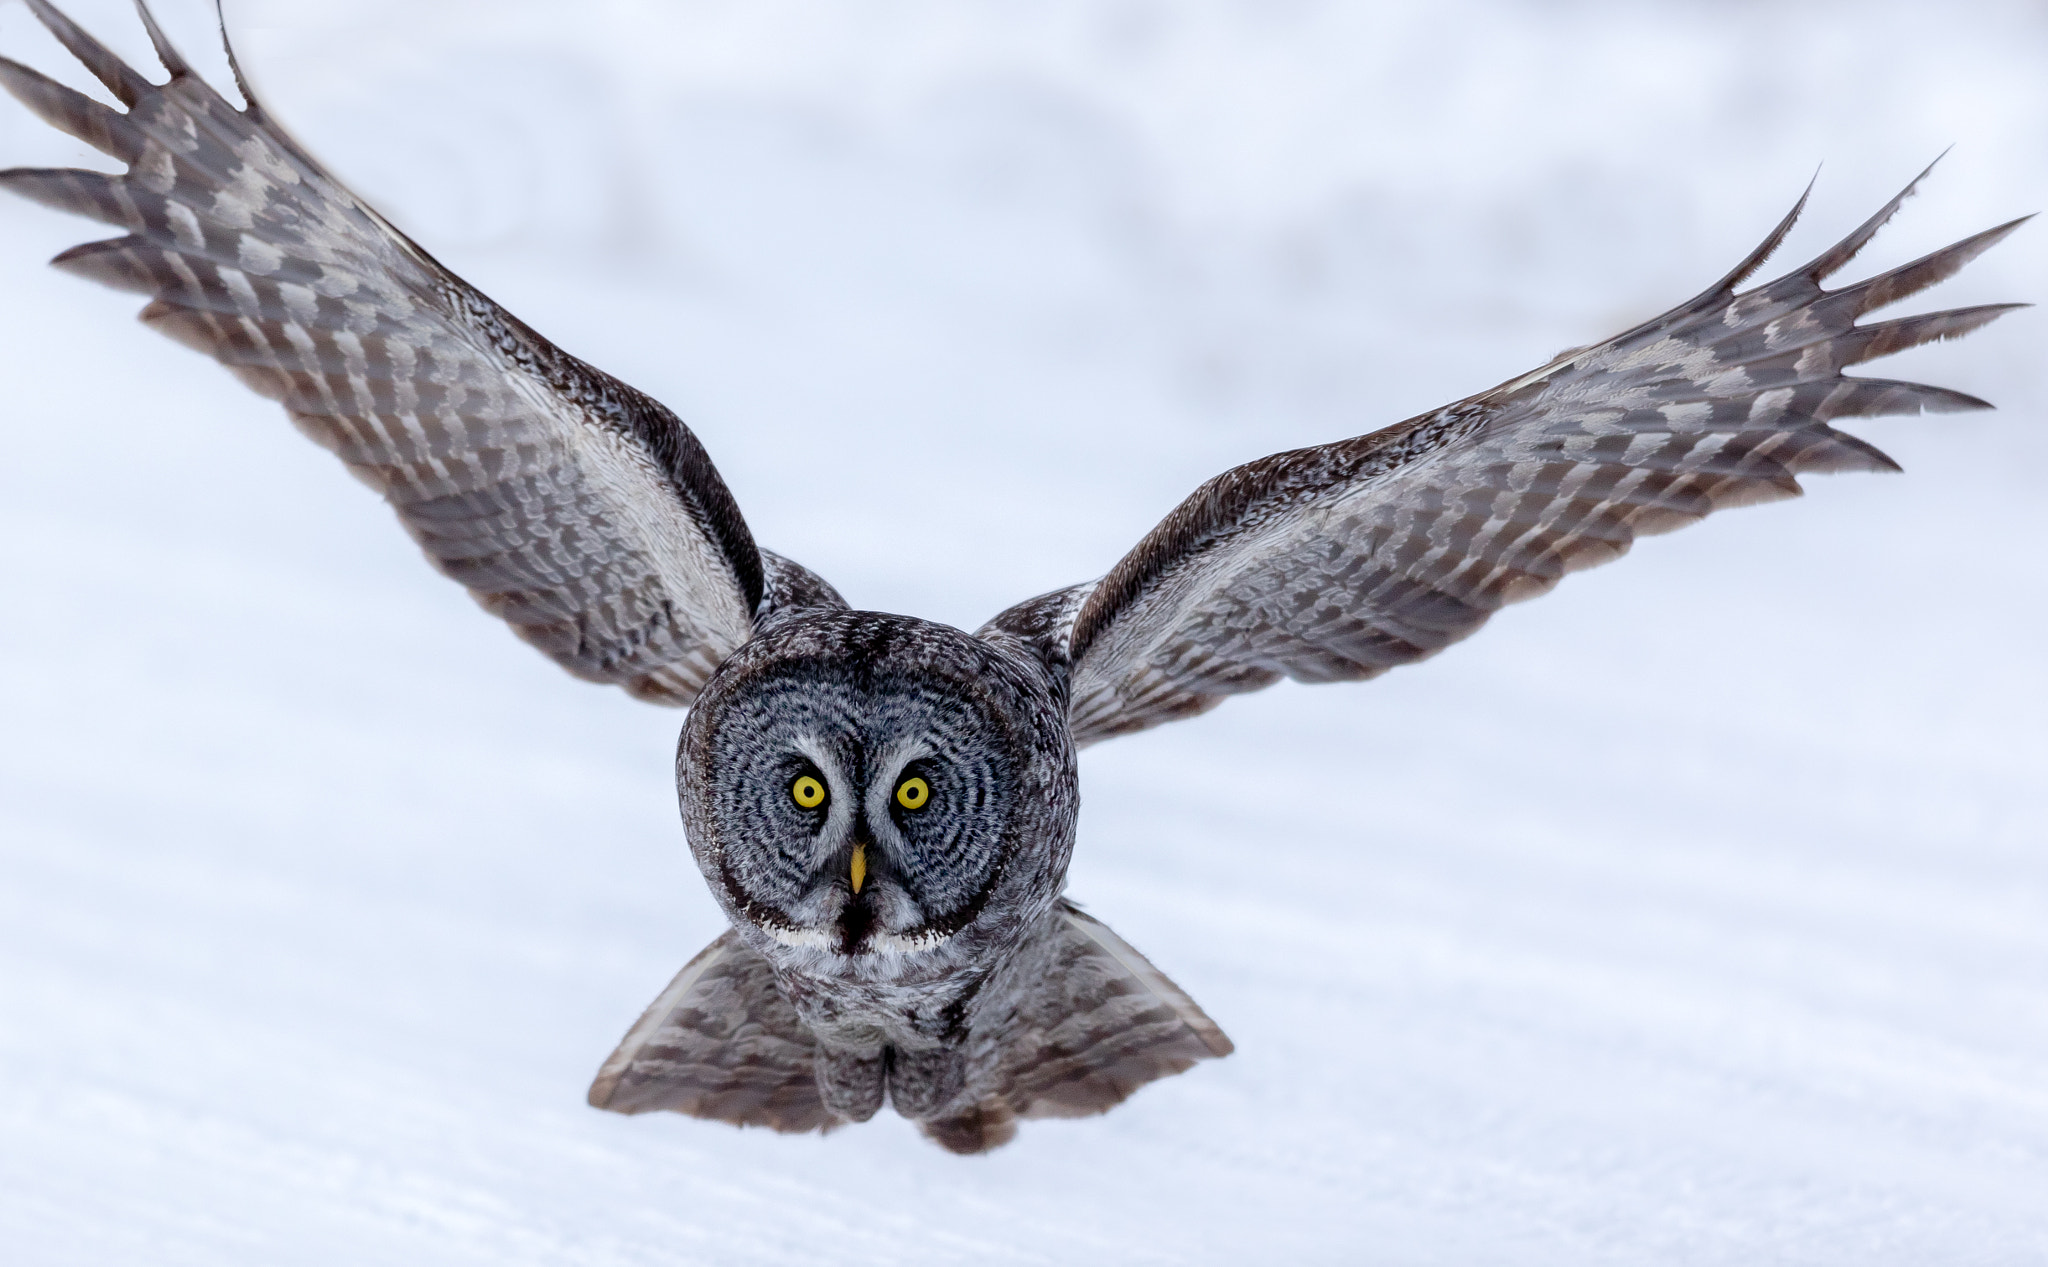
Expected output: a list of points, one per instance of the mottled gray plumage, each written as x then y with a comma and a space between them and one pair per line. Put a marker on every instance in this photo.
883, 806
578, 510
1339, 562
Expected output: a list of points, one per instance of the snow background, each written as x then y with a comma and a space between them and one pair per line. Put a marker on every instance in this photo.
1696, 913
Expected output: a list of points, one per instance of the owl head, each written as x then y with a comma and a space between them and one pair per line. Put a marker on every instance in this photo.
878, 796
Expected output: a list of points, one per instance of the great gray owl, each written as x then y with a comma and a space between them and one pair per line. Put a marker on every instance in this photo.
885, 806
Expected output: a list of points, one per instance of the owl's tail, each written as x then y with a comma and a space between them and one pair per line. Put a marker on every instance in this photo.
1072, 1025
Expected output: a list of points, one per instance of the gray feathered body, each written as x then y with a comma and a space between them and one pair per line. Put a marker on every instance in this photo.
946, 978
893, 977
885, 807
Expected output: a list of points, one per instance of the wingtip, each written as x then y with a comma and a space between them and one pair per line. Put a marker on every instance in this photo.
1837, 257
1999, 233
118, 77
1956, 402
20, 82
166, 52
250, 105
1769, 246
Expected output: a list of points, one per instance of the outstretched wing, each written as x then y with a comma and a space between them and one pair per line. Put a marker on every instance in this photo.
1339, 562
580, 511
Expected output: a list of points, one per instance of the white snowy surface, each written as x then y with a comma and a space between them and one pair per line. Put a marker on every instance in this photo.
1695, 913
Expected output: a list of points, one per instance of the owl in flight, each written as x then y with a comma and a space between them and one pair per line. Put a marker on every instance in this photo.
883, 806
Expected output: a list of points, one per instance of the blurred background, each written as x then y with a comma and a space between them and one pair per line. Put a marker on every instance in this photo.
1696, 912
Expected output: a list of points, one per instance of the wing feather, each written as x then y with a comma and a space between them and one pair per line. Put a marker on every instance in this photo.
572, 506
1339, 562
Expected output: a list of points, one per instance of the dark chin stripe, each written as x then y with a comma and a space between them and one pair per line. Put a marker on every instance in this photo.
854, 926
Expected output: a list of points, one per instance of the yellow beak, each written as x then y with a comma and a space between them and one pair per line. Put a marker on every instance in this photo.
860, 866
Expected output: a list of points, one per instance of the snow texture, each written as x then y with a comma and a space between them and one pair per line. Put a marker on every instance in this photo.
1695, 913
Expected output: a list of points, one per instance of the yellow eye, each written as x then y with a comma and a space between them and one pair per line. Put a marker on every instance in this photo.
913, 792
807, 792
